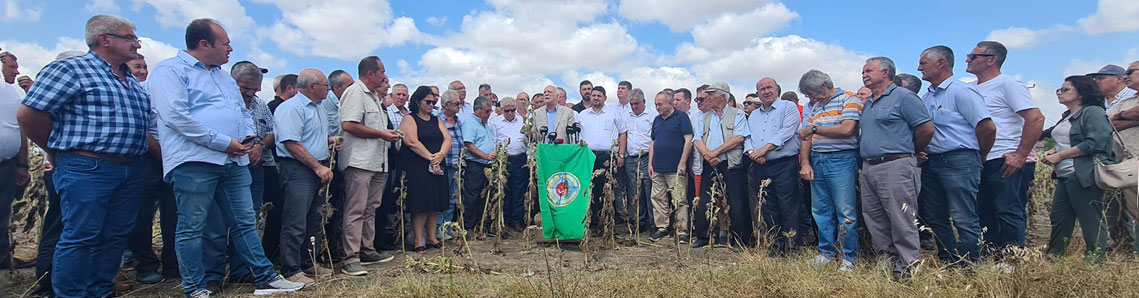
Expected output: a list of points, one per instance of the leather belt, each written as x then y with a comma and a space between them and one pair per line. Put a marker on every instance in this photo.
102, 156
887, 158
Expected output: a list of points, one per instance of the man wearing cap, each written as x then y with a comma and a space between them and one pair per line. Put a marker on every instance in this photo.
891, 178
1125, 117
772, 151
1111, 80
719, 137
600, 126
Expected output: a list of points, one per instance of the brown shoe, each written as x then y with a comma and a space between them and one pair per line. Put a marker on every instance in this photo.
317, 271
301, 278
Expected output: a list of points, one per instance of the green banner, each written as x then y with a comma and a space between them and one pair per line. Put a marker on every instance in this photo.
564, 172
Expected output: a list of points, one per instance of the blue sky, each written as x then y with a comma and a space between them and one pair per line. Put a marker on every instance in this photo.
518, 45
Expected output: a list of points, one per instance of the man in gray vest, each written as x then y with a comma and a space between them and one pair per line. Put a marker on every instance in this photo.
719, 137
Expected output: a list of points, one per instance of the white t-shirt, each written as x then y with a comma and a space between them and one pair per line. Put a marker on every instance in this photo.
10, 96
1005, 96
1062, 134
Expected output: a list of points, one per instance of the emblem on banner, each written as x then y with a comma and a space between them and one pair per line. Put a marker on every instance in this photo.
562, 188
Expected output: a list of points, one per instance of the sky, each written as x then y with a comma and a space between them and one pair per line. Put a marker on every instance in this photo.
524, 45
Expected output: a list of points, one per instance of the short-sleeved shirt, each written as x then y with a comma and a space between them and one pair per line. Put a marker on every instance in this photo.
843, 105
778, 126
511, 130
640, 127
715, 137
361, 105
1005, 96
668, 141
263, 123
9, 128
693, 116
600, 129
90, 108
295, 121
888, 122
477, 133
331, 106
395, 116
1119, 97
955, 108
456, 132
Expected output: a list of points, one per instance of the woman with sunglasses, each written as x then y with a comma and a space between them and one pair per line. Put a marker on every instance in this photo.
425, 145
1082, 134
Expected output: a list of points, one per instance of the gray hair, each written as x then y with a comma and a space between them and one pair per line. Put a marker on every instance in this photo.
306, 79
507, 101
636, 93
996, 49
336, 78
887, 64
666, 93
814, 80
939, 52
69, 54
561, 91
448, 97
246, 72
104, 24
912, 82
482, 102
277, 82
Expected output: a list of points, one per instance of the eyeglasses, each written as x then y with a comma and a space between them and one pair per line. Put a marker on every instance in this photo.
509, 110
974, 56
128, 38
431, 102
1102, 77
1062, 90
1130, 71
748, 103
700, 99
320, 84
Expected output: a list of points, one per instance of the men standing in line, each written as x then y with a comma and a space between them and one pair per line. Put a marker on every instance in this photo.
479, 142
600, 127
773, 150
304, 153
553, 116
364, 162
668, 154
639, 121
891, 178
1001, 201
719, 137
829, 136
201, 120
508, 128
951, 171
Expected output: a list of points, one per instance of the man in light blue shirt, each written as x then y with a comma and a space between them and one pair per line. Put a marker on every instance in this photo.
202, 123
951, 171
479, 142
719, 137
303, 148
772, 153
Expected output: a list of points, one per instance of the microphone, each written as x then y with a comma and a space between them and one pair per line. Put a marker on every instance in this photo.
552, 136
543, 131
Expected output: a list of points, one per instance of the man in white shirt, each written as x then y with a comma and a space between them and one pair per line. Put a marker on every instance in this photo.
639, 121
13, 151
508, 127
600, 127
1002, 199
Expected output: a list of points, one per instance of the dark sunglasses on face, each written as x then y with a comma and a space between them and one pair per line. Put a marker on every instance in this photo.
509, 110
431, 102
974, 56
1062, 90
1130, 71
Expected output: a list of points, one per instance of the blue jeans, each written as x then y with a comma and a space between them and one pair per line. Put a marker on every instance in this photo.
1001, 207
198, 187
950, 182
449, 214
218, 245
834, 201
99, 205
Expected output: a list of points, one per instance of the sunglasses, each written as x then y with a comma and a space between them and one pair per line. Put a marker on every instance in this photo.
431, 102
974, 56
748, 103
509, 110
1062, 90
1130, 71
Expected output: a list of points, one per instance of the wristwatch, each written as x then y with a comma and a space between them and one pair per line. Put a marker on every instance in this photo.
814, 129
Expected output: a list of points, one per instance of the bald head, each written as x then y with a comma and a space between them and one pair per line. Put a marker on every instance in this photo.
767, 90
313, 84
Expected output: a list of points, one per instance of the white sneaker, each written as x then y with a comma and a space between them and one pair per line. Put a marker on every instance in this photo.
847, 266
278, 285
1005, 268
820, 260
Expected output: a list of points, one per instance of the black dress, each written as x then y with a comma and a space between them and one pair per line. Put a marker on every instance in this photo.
424, 191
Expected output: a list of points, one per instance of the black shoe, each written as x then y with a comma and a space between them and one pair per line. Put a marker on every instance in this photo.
379, 257
682, 238
214, 286
147, 277
658, 235
700, 242
897, 276
242, 279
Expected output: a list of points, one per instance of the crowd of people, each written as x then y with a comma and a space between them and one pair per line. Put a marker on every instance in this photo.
194, 142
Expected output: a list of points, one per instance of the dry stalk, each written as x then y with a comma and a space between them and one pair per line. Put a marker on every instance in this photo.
497, 195
677, 192
402, 210
759, 227
637, 198
326, 210
532, 190
459, 200
609, 197
589, 216
717, 198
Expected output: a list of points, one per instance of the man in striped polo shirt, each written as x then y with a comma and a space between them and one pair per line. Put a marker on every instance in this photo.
829, 137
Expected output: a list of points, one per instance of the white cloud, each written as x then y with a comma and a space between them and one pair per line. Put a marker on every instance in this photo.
1044, 93
681, 15
1024, 38
733, 31
1112, 16
573, 11
177, 14
32, 56
785, 59
13, 12
1080, 66
341, 29
155, 51
437, 21
102, 6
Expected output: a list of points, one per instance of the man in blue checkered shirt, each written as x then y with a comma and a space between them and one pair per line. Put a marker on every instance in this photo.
91, 116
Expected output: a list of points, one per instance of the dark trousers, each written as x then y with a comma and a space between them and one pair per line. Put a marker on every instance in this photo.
597, 188
387, 216
1001, 207
271, 236
1071, 203
141, 243
49, 235
633, 164
300, 216
515, 207
332, 228
781, 205
474, 180
736, 203
8, 192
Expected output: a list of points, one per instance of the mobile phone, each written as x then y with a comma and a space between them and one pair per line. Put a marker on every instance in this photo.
248, 139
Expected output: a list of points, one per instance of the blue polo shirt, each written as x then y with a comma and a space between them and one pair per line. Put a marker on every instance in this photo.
955, 108
888, 122
477, 133
668, 140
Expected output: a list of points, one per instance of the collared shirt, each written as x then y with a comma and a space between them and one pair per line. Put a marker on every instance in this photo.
200, 111
331, 106
551, 119
91, 108
843, 105
456, 132
1123, 94
362, 106
1005, 96
277, 100
778, 126
640, 132
396, 118
294, 119
477, 133
503, 130
600, 129
668, 140
694, 115
9, 128
466, 111
889, 121
715, 137
263, 123
955, 108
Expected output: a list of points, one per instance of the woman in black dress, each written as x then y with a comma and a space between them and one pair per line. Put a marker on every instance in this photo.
428, 141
